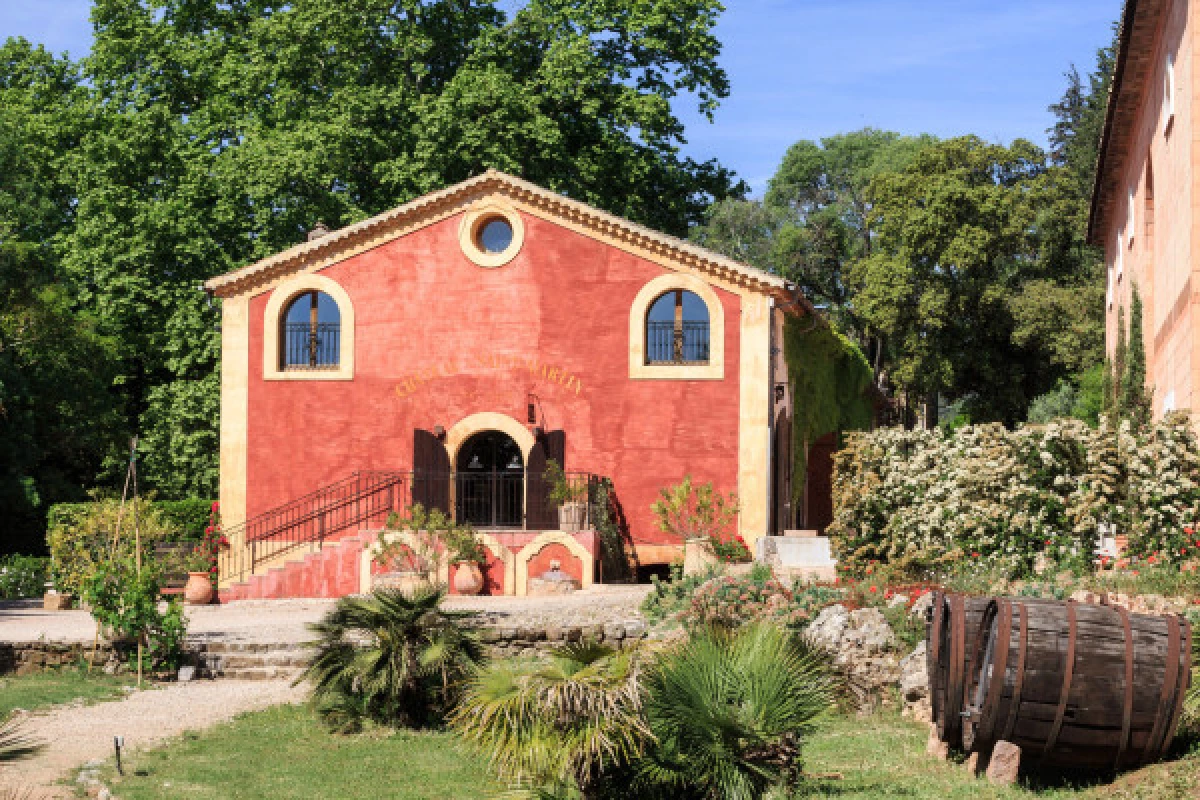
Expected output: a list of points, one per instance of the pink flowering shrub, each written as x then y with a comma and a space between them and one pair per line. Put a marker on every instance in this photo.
730, 601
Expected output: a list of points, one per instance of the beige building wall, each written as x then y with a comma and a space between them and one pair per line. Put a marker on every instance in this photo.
1152, 230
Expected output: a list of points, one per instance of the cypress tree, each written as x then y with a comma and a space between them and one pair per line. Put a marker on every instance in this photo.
1135, 400
1108, 391
1118, 371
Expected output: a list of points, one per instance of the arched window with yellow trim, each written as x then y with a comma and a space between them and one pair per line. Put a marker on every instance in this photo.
310, 333
677, 329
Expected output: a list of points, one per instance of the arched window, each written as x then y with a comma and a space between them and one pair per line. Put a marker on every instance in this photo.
677, 329
311, 333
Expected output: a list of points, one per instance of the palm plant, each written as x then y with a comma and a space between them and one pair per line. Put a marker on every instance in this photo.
728, 710
392, 657
14, 744
562, 726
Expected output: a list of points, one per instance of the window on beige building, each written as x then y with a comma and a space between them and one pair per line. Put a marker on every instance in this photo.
1169, 93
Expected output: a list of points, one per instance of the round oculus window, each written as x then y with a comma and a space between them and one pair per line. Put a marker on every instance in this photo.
495, 235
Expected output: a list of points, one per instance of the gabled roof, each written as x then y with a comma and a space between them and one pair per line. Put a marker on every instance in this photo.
1138, 31
390, 225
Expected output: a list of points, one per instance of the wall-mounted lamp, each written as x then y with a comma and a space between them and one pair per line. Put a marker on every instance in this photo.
439, 431
780, 391
531, 410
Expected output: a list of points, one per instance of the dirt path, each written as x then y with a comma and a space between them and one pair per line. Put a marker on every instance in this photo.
75, 735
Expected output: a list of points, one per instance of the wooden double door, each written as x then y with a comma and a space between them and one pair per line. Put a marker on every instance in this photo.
490, 484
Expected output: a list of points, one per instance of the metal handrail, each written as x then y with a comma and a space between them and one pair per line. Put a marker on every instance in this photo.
361, 500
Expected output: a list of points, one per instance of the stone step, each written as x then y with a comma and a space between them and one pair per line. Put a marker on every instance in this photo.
256, 674
256, 660
219, 648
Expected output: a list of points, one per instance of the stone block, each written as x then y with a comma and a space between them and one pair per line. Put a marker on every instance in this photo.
935, 746
977, 764
1004, 765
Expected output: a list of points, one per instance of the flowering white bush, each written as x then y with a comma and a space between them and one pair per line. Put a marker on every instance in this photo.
1013, 500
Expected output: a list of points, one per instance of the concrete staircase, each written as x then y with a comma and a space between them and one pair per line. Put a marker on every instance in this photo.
333, 570
250, 661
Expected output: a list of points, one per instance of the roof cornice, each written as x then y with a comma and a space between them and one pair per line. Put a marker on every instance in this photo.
431, 208
1138, 28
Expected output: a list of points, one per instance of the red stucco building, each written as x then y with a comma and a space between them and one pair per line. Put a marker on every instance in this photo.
445, 351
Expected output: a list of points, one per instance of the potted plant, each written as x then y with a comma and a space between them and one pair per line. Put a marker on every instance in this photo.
570, 497
469, 556
701, 516
198, 591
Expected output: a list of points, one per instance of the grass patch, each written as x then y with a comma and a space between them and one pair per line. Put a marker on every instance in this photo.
44, 689
285, 753
883, 756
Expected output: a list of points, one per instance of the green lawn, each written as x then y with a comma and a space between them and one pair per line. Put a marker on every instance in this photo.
43, 689
285, 753
883, 756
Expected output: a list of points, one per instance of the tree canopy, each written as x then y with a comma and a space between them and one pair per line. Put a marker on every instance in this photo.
198, 136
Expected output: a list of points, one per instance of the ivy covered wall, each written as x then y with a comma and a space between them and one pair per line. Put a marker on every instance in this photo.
829, 377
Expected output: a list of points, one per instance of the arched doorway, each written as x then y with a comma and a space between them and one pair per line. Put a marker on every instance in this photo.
490, 481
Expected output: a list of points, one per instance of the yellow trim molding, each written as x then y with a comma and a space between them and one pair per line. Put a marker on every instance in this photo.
529, 551
273, 318
754, 418
714, 370
235, 408
471, 226
488, 421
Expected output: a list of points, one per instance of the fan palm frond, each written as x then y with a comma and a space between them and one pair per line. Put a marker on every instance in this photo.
561, 723
391, 656
14, 743
728, 710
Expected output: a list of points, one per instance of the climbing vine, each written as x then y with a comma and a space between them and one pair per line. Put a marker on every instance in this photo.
829, 377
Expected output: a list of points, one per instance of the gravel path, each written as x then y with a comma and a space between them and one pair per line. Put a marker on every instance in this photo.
287, 620
75, 735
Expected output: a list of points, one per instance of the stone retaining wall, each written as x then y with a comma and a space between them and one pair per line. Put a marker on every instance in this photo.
24, 658
511, 641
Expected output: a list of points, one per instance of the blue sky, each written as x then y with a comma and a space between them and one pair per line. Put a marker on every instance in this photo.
803, 69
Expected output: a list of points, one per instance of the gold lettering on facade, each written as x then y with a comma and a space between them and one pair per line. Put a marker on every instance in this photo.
409, 384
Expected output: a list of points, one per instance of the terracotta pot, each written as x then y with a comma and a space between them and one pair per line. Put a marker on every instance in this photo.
571, 517
468, 578
698, 555
198, 591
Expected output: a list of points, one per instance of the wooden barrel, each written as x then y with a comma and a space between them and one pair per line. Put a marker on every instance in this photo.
1076, 685
949, 646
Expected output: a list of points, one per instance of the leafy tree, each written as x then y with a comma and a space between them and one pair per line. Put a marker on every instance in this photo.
951, 238
57, 421
390, 657
812, 223
219, 133
1055, 404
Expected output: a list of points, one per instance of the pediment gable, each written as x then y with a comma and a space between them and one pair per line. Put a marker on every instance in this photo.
667, 251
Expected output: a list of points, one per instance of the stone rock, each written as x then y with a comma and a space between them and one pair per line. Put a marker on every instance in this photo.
976, 763
185, 674
914, 683
635, 629
870, 630
829, 627
1004, 764
862, 643
614, 632
922, 606
935, 746
104, 794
